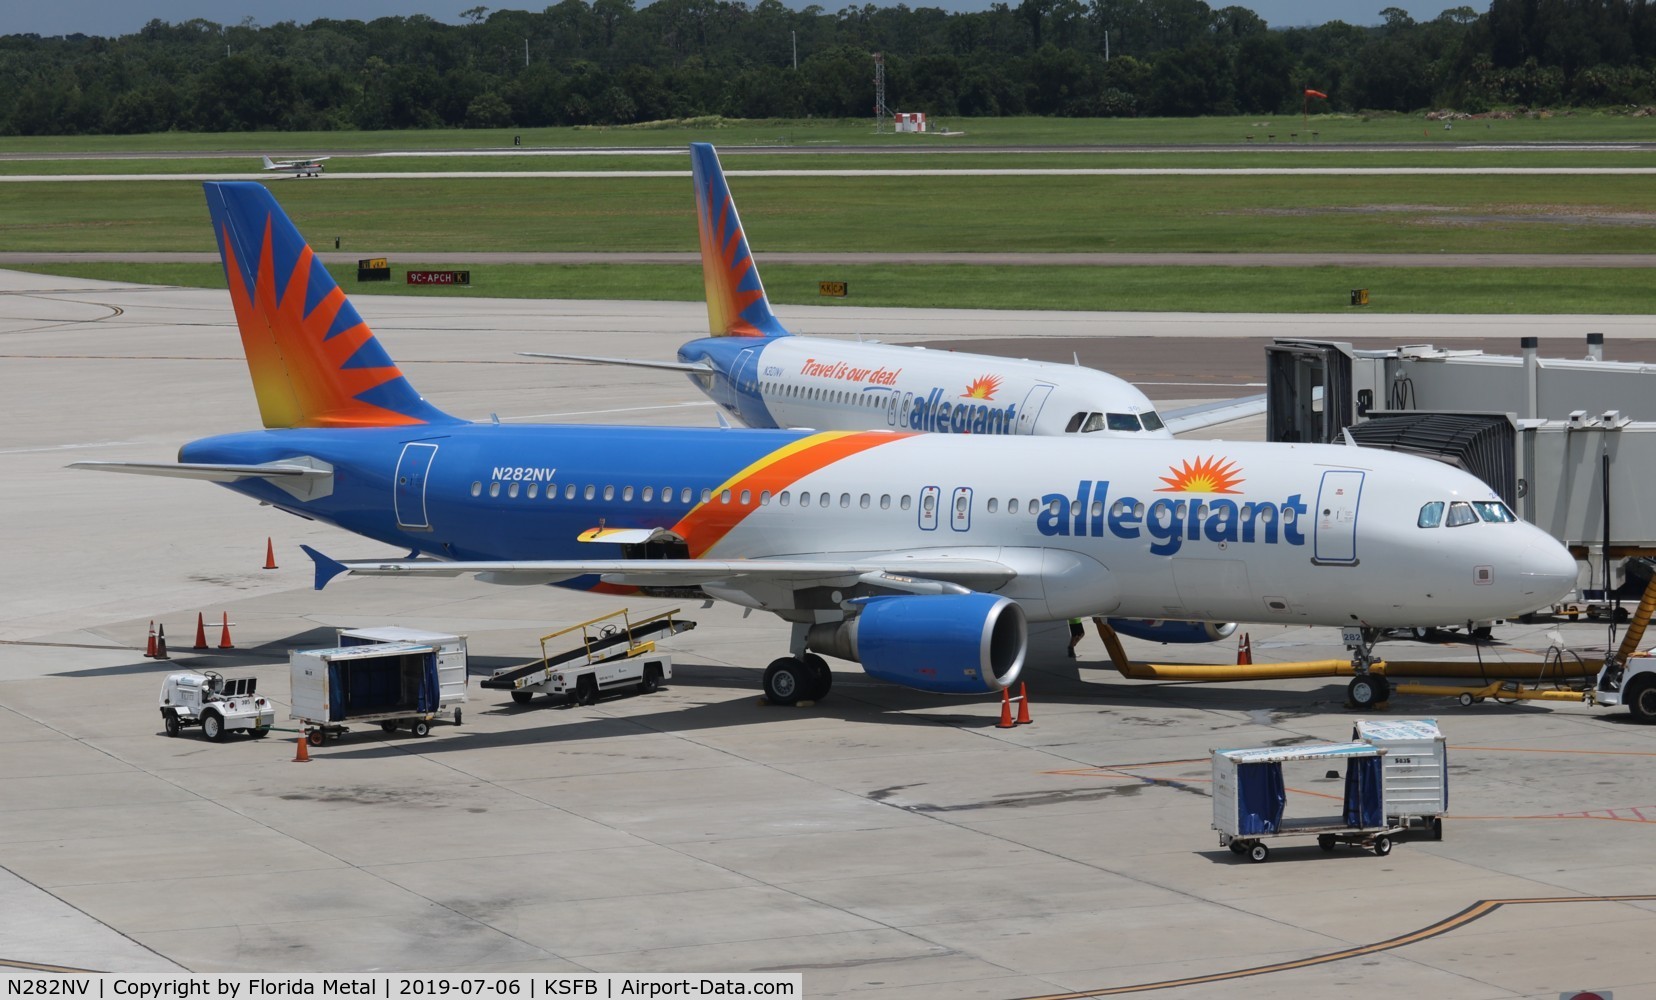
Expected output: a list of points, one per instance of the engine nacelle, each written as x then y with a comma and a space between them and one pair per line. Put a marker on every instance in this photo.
1158, 630
945, 643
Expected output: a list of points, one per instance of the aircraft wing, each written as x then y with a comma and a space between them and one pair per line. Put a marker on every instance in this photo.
210, 473
696, 367
918, 573
1193, 418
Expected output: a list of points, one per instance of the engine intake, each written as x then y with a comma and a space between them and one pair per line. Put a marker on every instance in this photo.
945, 644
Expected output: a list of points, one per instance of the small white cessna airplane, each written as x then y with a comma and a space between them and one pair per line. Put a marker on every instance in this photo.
299, 168
763, 376
921, 556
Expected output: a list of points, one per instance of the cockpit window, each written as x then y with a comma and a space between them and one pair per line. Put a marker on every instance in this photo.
1095, 422
1074, 423
1431, 515
1152, 420
1494, 511
1460, 512
1124, 422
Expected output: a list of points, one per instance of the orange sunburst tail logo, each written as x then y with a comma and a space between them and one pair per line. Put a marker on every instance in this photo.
1203, 475
736, 302
314, 362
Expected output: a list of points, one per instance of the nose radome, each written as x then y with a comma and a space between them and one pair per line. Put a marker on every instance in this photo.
1548, 571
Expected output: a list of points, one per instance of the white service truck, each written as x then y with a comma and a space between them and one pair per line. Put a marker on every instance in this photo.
216, 703
615, 653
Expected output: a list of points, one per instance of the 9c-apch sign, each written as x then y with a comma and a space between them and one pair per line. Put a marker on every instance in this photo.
439, 277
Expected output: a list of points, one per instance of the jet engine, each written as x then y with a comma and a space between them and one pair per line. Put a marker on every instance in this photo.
1157, 630
945, 643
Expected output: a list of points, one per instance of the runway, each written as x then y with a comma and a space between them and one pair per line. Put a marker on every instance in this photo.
884, 843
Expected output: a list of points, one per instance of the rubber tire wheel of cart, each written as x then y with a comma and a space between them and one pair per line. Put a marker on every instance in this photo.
1465, 699
1437, 827
259, 733
389, 726
457, 716
822, 678
420, 728
787, 681
522, 697
1367, 690
212, 727
1237, 848
314, 737
1641, 699
1258, 852
1483, 633
1326, 842
586, 690
174, 727
650, 681
1382, 846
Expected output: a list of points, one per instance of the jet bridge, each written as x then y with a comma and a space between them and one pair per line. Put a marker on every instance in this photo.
1562, 441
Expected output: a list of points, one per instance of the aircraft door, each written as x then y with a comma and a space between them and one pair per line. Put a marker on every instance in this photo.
1335, 540
928, 508
413, 469
1031, 408
960, 509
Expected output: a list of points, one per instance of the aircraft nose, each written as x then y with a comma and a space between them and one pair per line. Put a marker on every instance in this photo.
1548, 571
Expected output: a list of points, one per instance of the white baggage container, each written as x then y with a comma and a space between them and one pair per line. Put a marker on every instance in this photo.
1415, 770
451, 657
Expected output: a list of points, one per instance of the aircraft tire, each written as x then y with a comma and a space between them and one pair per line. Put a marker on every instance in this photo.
1367, 690
822, 678
787, 681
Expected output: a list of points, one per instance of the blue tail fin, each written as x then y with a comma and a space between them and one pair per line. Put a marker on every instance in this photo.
736, 302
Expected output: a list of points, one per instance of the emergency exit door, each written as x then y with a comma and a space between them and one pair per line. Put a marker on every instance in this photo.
413, 469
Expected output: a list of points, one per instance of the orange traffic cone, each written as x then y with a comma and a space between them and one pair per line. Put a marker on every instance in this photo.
1244, 651
270, 554
302, 755
161, 643
201, 632
149, 647
224, 636
1006, 711
1023, 705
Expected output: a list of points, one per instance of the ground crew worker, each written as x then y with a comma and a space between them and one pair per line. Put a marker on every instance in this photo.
1077, 630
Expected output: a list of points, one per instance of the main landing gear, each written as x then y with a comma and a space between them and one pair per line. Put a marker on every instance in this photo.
794, 679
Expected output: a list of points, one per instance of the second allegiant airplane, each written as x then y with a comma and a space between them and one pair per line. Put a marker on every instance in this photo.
759, 373
921, 556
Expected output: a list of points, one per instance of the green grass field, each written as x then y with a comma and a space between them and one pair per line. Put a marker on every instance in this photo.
1131, 289
414, 219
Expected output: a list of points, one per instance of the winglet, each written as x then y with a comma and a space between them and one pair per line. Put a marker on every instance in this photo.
326, 568
736, 302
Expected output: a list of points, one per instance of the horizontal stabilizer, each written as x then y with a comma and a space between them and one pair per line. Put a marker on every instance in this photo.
697, 367
209, 472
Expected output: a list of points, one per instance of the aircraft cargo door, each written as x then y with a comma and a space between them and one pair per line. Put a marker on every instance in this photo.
1031, 409
1335, 540
410, 496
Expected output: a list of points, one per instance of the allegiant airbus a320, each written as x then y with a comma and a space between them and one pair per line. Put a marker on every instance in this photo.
921, 556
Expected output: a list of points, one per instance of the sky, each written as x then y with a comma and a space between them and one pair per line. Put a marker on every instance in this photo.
123, 17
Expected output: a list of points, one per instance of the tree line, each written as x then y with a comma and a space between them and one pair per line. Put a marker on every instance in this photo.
612, 62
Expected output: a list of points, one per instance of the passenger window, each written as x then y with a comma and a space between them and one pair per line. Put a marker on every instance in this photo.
477, 489
512, 490
534, 490
590, 492
993, 505
609, 493
1095, 422
724, 496
885, 501
764, 498
747, 497
863, 503
685, 495
825, 500
494, 489
1012, 506
1152, 420
929, 504
649, 494
1461, 512
1124, 422
707, 496
907, 502
845, 499
1098, 508
627, 493
569, 492
785, 498
804, 499
1431, 515
1074, 423
960, 504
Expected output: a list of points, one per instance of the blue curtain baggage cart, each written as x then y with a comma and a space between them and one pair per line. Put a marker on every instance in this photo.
1250, 799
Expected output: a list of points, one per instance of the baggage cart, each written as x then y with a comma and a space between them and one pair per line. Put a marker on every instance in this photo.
1250, 799
391, 683
452, 668
1414, 772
